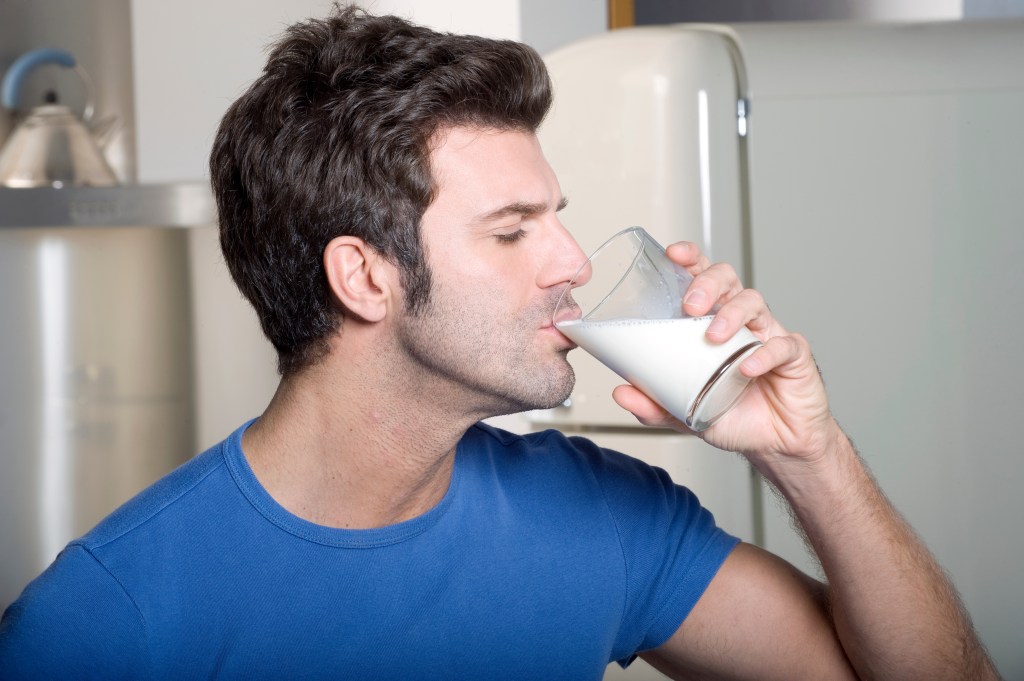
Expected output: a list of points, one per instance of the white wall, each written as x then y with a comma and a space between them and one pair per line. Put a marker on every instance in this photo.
192, 58
549, 25
494, 19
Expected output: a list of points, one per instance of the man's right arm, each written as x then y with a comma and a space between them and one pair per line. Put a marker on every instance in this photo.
74, 621
889, 612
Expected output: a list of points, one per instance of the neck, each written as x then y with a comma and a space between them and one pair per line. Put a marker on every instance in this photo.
353, 446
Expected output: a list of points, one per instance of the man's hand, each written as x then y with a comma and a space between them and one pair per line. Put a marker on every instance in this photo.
783, 419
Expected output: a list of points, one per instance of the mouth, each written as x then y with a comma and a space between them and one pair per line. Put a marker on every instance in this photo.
564, 342
565, 310
562, 339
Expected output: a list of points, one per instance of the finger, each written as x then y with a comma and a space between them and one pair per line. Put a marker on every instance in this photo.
647, 411
716, 285
786, 355
747, 308
688, 255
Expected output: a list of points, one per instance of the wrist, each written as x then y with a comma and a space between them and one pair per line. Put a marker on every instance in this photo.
826, 467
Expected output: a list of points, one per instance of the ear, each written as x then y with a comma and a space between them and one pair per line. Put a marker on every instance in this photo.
358, 277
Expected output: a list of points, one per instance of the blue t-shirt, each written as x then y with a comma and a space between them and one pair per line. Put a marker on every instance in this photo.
547, 558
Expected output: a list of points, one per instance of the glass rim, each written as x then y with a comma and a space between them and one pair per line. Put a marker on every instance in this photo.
642, 236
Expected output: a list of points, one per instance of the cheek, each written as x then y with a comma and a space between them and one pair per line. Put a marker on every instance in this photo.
504, 277
497, 277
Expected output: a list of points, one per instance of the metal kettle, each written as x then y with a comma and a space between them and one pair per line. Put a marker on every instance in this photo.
52, 147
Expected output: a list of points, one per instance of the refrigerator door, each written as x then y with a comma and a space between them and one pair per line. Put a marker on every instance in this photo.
643, 131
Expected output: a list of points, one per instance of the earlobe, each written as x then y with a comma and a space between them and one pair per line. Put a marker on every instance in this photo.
356, 276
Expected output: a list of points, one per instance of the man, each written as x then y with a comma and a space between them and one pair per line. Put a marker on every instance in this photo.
387, 209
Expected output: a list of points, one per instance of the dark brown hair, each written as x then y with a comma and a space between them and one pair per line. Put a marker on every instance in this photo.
334, 139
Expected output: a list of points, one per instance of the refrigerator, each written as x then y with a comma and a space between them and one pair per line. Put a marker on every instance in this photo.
867, 179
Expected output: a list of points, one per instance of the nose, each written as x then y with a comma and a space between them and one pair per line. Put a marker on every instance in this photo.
565, 261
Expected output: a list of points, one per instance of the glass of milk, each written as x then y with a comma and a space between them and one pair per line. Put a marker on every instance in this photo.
624, 306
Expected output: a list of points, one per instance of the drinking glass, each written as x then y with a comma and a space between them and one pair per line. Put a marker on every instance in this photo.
624, 306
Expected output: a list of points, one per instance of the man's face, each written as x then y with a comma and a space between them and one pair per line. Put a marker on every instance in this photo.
499, 258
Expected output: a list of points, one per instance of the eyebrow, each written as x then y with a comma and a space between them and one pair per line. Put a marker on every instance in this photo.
518, 208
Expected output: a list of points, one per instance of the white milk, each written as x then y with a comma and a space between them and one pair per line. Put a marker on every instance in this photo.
671, 360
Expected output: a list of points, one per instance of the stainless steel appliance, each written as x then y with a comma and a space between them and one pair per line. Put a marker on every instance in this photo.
96, 365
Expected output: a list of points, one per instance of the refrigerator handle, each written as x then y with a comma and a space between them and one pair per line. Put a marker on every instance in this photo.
742, 110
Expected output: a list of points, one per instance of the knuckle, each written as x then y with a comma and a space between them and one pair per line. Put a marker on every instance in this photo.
754, 296
724, 270
800, 346
789, 345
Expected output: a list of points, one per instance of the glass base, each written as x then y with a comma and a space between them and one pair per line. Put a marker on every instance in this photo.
721, 392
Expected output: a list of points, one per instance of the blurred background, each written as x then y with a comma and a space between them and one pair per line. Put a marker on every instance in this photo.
157, 356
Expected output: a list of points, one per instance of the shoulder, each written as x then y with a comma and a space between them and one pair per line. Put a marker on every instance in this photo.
561, 458
668, 545
642, 500
541, 443
74, 621
149, 504
551, 449
85, 616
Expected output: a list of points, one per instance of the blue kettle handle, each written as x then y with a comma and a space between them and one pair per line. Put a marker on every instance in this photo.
23, 65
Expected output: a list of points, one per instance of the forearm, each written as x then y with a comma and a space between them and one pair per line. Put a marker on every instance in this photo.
895, 612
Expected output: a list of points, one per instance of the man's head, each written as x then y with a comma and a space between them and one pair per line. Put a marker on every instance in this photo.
334, 139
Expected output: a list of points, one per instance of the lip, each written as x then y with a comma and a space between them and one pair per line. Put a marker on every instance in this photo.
552, 329
564, 310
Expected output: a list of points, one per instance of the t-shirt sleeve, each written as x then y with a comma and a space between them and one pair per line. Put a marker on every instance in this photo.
73, 621
671, 548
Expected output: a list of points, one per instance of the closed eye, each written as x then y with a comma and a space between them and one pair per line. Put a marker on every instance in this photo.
511, 237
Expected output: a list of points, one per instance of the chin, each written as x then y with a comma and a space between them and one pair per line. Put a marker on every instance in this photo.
516, 404
555, 395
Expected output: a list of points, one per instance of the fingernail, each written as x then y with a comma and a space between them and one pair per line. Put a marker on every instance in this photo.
697, 297
717, 325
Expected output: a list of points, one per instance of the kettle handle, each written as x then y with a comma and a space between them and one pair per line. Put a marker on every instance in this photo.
24, 65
